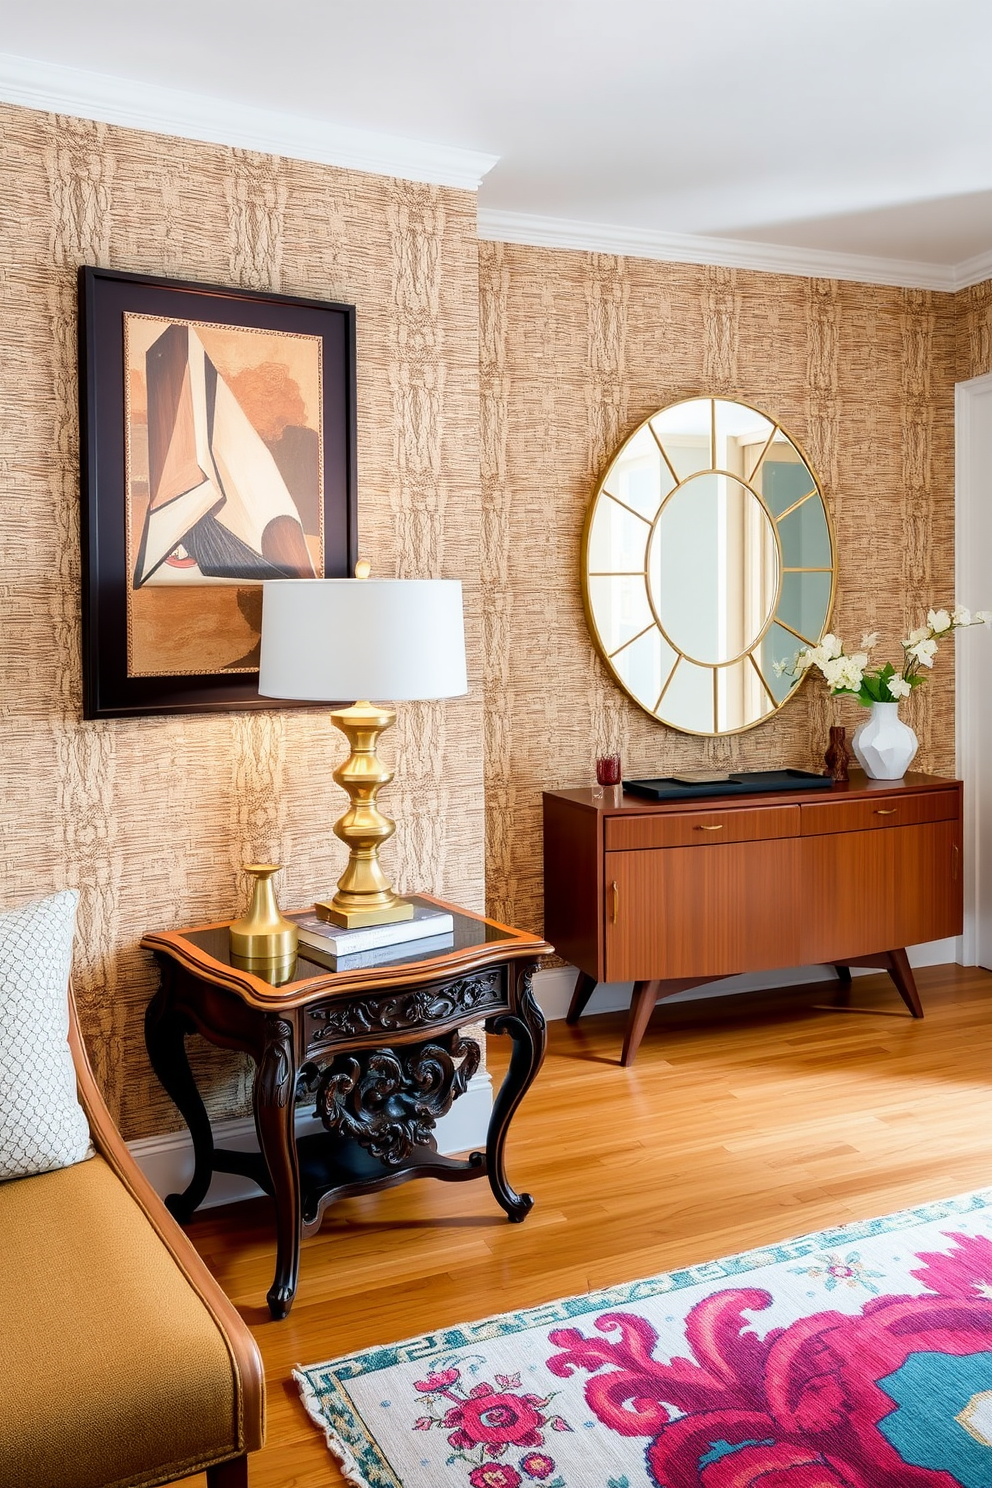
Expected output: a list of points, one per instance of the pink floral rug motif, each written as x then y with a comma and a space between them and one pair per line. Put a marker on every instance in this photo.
858, 1357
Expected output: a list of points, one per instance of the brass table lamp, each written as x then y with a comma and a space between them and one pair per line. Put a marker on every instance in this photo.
332, 639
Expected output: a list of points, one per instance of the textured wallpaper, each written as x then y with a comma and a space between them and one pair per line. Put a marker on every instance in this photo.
152, 818
576, 349
974, 307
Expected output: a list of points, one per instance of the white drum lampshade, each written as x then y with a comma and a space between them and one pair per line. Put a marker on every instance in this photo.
344, 639
350, 640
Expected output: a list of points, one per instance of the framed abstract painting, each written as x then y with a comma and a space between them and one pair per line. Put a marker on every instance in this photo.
218, 450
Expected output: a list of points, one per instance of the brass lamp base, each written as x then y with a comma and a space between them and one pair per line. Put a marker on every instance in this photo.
353, 919
365, 895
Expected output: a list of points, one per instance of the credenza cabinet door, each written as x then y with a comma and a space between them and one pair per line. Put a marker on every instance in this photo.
710, 911
865, 890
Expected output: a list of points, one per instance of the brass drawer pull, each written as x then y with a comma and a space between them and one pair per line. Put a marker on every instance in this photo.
718, 828
886, 811
614, 902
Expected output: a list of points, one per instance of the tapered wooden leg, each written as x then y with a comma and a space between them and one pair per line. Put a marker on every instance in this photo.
585, 986
642, 1002
902, 974
843, 994
896, 963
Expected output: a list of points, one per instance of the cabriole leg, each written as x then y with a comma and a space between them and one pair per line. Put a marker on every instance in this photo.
528, 1031
274, 1122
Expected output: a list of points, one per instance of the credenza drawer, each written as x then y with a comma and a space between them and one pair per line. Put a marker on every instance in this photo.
697, 828
880, 811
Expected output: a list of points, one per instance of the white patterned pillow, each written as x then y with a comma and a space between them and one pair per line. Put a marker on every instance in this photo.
42, 1124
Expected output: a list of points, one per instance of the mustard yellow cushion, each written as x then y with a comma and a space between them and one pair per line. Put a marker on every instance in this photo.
112, 1372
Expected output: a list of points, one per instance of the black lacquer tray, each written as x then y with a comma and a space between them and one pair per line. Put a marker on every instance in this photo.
738, 783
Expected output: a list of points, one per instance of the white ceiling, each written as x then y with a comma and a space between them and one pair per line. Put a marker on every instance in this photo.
852, 136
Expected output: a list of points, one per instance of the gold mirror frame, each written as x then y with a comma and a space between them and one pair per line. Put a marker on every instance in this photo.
789, 602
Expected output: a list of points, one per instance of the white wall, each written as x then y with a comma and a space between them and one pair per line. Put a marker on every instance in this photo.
973, 659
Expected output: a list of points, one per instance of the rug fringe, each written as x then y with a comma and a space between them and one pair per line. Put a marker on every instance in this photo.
340, 1449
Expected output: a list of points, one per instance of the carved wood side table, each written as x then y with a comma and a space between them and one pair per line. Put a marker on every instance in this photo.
379, 1049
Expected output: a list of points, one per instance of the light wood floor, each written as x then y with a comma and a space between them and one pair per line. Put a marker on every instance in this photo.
744, 1121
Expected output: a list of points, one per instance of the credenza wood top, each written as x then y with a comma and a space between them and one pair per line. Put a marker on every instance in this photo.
858, 788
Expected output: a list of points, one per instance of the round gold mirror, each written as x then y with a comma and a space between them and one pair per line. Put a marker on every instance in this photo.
708, 561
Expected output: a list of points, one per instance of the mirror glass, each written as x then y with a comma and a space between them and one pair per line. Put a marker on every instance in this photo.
708, 562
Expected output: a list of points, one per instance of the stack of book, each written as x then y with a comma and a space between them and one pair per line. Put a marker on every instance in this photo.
431, 929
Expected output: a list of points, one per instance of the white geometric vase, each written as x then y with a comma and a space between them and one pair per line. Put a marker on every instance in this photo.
885, 746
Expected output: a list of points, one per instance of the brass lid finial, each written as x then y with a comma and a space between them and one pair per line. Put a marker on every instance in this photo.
362, 568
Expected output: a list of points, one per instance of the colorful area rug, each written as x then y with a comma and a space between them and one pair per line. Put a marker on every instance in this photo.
859, 1357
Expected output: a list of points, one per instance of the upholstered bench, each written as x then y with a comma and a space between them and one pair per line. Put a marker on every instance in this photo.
122, 1363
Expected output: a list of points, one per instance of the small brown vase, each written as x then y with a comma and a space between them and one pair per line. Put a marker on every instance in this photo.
838, 755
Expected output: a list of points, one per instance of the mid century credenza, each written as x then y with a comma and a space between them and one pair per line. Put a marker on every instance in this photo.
670, 897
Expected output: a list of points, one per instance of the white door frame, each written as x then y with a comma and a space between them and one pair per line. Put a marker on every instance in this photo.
973, 658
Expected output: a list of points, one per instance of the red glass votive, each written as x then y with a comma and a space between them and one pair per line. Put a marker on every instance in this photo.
608, 769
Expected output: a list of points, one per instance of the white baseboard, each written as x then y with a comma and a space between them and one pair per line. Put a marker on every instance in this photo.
167, 1161
937, 952
553, 988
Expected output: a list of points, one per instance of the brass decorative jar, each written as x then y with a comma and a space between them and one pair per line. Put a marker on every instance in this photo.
264, 934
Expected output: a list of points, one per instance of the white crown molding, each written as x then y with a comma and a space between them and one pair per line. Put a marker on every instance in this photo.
973, 270
116, 100
54, 88
767, 258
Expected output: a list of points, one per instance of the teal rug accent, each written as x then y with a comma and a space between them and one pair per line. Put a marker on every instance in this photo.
857, 1357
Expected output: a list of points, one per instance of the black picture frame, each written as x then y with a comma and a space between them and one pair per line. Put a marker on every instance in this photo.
105, 299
